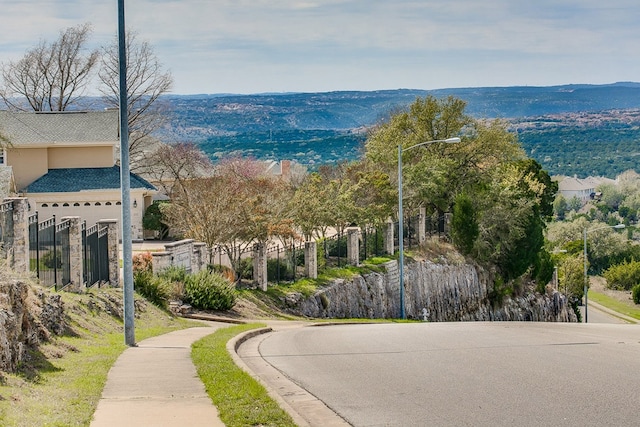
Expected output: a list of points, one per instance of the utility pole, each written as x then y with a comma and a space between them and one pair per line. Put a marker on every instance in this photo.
125, 186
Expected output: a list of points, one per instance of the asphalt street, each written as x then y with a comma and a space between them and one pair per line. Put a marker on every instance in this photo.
465, 374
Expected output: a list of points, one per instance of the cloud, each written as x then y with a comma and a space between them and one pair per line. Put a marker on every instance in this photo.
246, 45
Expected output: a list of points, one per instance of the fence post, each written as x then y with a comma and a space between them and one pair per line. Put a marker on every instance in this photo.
260, 265
447, 223
311, 259
76, 283
114, 250
389, 245
20, 260
422, 232
353, 246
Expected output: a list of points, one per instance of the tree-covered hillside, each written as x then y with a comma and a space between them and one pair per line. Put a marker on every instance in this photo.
572, 129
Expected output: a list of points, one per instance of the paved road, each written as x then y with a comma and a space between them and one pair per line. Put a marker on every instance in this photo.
466, 374
598, 315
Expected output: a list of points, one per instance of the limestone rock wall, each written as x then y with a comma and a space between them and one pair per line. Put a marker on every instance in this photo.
28, 316
437, 292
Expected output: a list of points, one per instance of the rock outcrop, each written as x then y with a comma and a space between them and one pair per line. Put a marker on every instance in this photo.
433, 292
28, 316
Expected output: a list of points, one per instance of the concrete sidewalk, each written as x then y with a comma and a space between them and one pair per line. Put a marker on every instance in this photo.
156, 384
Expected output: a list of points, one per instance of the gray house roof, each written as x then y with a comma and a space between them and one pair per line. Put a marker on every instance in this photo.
79, 179
66, 127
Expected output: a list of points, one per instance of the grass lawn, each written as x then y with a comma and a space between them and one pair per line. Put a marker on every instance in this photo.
62, 381
240, 399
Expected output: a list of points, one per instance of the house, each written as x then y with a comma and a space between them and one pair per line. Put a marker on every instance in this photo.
583, 189
65, 164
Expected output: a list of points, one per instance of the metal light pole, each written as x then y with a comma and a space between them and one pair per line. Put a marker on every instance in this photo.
586, 278
125, 187
403, 314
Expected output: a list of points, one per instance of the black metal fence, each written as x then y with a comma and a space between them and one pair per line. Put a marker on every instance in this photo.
43, 259
283, 263
95, 252
50, 252
334, 251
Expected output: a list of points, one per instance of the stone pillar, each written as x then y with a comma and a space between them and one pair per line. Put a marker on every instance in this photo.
422, 230
260, 265
114, 250
76, 258
353, 245
200, 256
20, 259
389, 245
311, 259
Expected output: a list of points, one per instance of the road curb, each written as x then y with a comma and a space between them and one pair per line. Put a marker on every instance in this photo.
305, 409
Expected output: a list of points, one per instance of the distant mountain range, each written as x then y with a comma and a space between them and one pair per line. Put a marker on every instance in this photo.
317, 128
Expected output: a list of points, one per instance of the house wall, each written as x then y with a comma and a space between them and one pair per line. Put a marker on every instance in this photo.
80, 157
28, 164
91, 206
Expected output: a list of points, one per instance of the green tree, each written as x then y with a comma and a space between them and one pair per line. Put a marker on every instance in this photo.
464, 224
154, 220
571, 272
560, 207
574, 204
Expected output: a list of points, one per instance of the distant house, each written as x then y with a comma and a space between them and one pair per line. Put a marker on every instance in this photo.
64, 163
583, 189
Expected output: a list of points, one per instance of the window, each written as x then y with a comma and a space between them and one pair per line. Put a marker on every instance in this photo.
76, 204
66, 205
87, 204
44, 205
98, 204
108, 204
55, 205
3, 156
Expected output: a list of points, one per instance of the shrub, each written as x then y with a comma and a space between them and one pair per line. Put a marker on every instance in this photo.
142, 262
337, 247
635, 294
174, 274
245, 268
209, 291
277, 269
175, 277
225, 271
154, 288
623, 276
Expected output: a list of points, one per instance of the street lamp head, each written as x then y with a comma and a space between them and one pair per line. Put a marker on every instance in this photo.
454, 140
618, 226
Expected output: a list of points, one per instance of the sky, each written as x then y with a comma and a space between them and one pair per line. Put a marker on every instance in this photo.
257, 46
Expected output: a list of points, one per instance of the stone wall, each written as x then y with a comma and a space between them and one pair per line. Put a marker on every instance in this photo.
433, 292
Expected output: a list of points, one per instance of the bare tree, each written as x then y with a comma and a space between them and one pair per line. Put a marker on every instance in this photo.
147, 80
170, 165
50, 77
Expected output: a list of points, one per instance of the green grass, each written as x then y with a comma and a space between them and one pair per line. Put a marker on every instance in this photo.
629, 309
62, 381
240, 399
